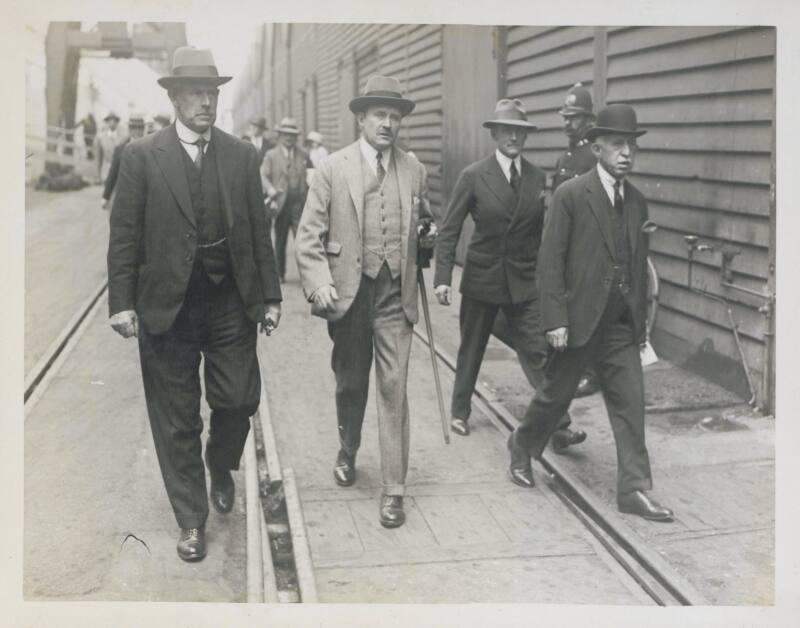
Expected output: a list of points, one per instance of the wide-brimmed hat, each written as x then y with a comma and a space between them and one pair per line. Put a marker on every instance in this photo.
288, 126
509, 112
382, 90
314, 137
260, 122
193, 64
617, 118
111, 116
578, 102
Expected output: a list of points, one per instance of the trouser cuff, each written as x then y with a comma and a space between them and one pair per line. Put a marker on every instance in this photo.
394, 489
192, 520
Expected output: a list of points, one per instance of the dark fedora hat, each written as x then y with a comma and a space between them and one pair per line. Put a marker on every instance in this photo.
260, 122
617, 118
510, 112
382, 90
193, 64
578, 102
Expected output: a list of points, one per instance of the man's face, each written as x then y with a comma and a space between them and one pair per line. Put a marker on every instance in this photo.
287, 139
616, 153
574, 125
112, 123
136, 131
196, 105
379, 125
509, 139
254, 131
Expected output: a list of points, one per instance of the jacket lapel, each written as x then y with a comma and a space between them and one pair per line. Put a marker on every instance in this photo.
598, 201
352, 174
633, 216
225, 172
167, 153
496, 181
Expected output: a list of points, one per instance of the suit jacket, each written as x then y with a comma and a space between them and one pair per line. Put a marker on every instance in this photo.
265, 146
576, 263
501, 258
153, 241
113, 173
329, 238
274, 172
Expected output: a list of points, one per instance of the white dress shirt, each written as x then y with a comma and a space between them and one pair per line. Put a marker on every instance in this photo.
608, 182
189, 137
505, 164
371, 156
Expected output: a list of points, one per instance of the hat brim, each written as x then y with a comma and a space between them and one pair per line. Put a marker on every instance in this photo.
172, 81
597, 131
515, 123
107, 118
287, 131
362, 102
575, 112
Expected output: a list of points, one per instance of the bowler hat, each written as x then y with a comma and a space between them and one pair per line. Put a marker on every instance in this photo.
111, 116
288, 126
382, 90
617, 118
509, 112
193, 64
578, 102
260, 122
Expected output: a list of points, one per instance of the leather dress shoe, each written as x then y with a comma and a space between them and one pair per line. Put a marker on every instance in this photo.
563, 438
460, 427
192, 544
638, 503
391, 514
520, 468
222, 488
345, 470
587, 386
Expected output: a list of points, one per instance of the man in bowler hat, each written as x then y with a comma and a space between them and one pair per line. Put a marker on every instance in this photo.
504, 194
357, 255
191, 273
593, 284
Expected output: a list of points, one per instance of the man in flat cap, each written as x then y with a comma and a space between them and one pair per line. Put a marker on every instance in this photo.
283, 174
191, 273
504, 194
357, 255
109, 137
593, 284
136, 128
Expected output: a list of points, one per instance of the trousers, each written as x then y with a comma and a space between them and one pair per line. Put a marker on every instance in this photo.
213, 324
289, 217
375, 325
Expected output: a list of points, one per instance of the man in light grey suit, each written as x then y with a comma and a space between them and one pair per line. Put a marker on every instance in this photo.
357, 255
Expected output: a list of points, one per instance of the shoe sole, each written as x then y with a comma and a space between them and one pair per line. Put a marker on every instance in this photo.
341, 483
631, 512
518, 483
459, 432
191, 559
220, 510
392, 524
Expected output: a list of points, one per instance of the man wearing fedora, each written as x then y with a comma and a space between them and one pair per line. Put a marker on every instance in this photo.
357, 255
283, 173
504, 194
105, 142
578, 116
191, 273
257, 136
593, 284
136, 128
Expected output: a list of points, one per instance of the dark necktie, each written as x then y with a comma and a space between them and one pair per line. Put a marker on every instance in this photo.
379, 170
618, 203
198, 160
620, 234
514, 178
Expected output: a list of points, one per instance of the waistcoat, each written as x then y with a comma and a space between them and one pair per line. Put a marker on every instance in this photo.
382, 216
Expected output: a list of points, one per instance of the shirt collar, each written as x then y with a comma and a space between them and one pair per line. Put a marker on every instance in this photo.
371, 154
505, 163
608, 182
187, 136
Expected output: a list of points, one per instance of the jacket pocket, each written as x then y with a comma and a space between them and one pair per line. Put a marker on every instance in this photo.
333, 248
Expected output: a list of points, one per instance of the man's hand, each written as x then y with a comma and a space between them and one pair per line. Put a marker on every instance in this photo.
557, 338
325, 298
442, 294
126, 323
104, 204
427, 240
272, 316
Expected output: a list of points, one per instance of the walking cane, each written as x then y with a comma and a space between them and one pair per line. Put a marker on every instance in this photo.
424, 261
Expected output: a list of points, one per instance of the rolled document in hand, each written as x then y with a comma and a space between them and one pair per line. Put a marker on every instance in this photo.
648, 354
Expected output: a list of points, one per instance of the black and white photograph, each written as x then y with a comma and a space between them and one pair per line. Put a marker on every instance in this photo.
363, 314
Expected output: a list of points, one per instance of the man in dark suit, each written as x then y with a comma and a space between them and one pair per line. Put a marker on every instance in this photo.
593, 284
257, 136
191, 273
504, 194
135, 131
283, 174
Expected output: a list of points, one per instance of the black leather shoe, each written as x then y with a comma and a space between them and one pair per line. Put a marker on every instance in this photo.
565, 437
638, 503
460, 427
192, 544
520, 468
222, 488
392, 515
345, 470
587, 386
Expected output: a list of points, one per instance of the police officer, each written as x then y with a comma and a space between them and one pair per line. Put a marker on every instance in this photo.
578, 117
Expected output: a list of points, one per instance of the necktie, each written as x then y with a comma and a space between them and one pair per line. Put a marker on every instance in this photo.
201, 144
514, 178
618, 203
379, 170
